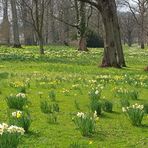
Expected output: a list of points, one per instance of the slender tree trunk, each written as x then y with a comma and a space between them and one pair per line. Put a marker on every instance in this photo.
82, 28
15, 25
41, 45
5, 26
142, 37
129, 39
52, 23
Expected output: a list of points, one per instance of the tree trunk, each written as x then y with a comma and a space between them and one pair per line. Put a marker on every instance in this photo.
52, 23
41, 44
113, 52
142, 37
82, 44
82, 28
15, 25
129, 39
5, 26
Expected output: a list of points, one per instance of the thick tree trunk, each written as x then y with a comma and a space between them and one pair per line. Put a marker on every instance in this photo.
82, 44
113, 52
110, 54
15, 25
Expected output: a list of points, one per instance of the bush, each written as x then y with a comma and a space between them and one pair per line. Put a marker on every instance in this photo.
134, 113
17, 101
94, 40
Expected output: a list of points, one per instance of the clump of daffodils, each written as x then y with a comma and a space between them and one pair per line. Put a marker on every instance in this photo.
17, 114
4, 128
86, 123
123, 93
21, 95
10, 135
134, 113
95, 100
21, 119
17, 101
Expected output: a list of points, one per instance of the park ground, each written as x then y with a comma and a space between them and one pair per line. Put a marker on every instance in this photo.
71, 74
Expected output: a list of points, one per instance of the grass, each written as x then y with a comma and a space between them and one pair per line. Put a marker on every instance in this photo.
61, 68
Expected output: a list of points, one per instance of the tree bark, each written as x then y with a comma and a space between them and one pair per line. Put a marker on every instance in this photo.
113, 52
15, 25
82, 28
129, 38
41, 45
5, 26
82, 44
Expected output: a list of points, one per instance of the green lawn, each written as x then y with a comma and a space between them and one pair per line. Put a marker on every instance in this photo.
61, 68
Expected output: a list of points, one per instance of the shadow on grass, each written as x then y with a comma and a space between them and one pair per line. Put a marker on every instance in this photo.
33, 134
144, 126
99, 135
116, 113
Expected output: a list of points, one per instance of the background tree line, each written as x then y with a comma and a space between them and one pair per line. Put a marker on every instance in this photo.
81, 23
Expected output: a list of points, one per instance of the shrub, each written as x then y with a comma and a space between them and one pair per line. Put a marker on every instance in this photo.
86, 123
10, 136
107, 106
17, 101
94, 40
21, 119
134, 113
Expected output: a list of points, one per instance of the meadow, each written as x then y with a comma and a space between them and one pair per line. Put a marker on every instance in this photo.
66, 77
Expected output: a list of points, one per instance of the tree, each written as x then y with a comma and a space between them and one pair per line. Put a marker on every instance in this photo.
128, 27
139, 9
5, 26
37, 9
15, 25
113, 51
82, 27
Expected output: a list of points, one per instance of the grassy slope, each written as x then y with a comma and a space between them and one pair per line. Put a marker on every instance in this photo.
113, 130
